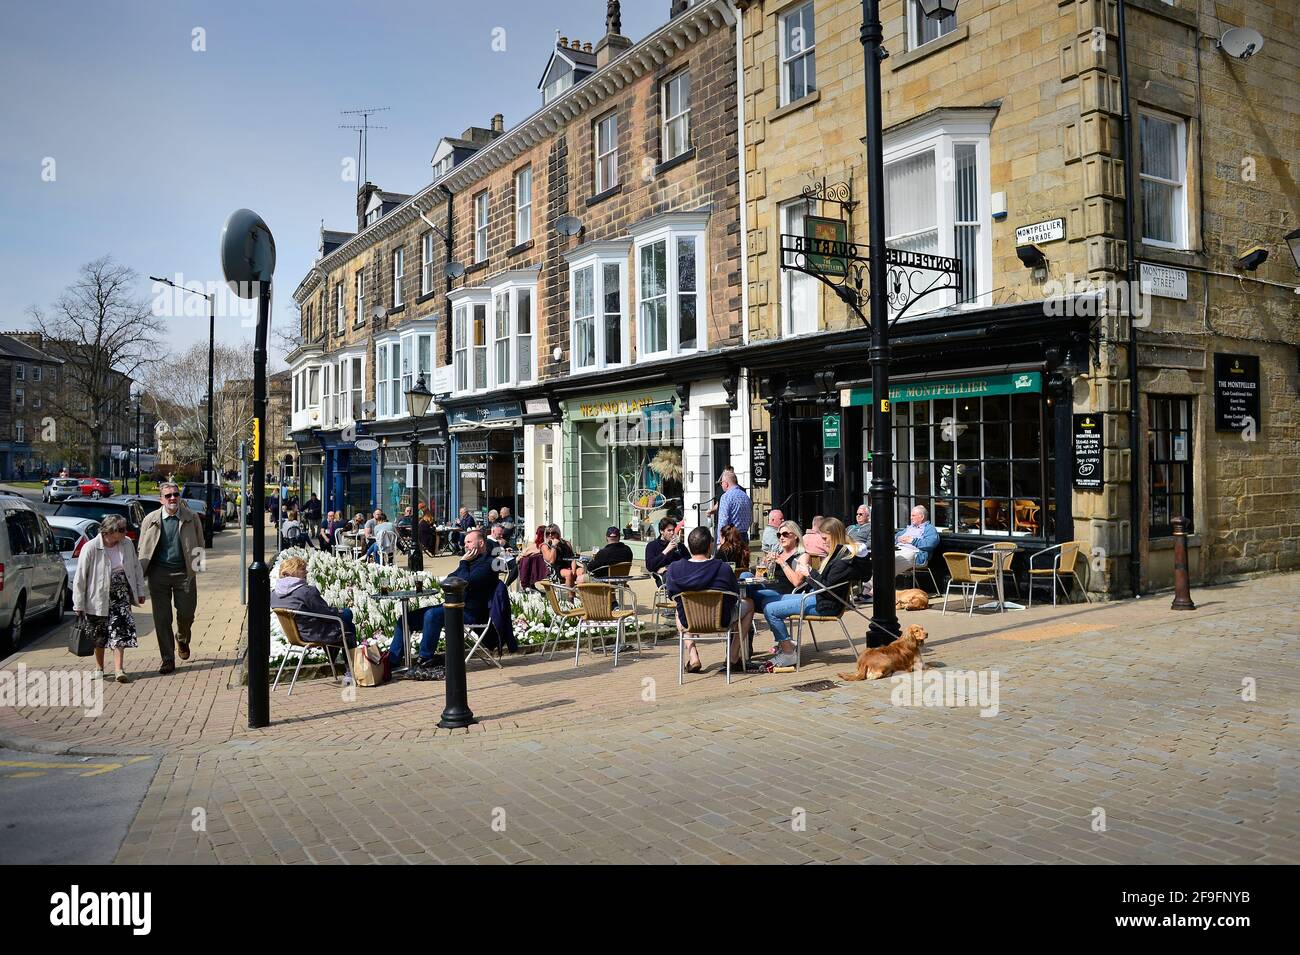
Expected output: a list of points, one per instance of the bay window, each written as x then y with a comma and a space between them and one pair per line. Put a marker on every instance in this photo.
469, 339
381, 377
598, 325
937, 200
512, 329
670, 301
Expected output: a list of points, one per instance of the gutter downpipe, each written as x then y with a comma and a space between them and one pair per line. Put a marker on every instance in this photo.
1130, 197
746, 403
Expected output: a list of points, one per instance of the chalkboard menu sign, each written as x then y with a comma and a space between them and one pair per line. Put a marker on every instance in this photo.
1088, 442
758, 459
1236, 392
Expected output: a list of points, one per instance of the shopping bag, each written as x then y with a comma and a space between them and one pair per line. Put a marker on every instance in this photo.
370, 666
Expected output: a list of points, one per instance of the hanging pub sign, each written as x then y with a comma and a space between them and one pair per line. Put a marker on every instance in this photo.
1236, 392
1087, 443
758, 458
828, 241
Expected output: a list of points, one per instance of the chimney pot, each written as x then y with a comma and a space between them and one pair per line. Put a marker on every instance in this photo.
564, 41
498, 123
586, 47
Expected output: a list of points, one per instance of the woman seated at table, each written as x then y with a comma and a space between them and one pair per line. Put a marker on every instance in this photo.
428, 532
781, 572
558, 554
836, 574
292, 592
733, 549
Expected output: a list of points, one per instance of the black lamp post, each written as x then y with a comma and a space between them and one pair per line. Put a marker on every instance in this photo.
884, 616
210, 442
418, 400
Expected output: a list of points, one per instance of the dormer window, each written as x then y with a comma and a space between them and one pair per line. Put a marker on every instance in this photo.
557, 86
374, 215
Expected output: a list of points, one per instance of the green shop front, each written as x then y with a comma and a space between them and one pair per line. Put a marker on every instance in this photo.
622, 465
976, 451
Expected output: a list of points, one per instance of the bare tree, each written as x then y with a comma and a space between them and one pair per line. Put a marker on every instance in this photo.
105, 335
180, 393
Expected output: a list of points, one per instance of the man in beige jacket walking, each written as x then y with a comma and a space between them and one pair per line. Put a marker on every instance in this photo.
171, 548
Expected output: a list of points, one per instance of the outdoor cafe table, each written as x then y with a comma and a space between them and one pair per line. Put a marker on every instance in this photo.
999, 558
405, 596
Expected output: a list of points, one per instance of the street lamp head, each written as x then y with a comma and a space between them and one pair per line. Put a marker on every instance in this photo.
1293, 240
938, 9
247, 252
419, 398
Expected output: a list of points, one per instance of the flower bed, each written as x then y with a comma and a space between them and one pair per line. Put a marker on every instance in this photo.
346, 582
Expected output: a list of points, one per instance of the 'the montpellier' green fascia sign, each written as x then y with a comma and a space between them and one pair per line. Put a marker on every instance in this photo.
1027, 382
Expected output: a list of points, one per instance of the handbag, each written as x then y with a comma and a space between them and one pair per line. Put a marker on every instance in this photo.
370, 665
81, 640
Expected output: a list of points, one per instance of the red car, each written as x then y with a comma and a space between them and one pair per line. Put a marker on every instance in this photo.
95, 487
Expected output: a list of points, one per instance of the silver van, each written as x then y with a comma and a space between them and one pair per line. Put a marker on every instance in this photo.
33, 579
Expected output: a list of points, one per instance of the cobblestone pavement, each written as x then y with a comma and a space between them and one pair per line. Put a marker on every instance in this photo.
1121, 735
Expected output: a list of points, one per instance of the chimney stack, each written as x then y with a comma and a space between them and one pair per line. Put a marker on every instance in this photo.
498, 123
613, 43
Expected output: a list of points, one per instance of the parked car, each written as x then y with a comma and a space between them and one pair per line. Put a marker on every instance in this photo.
95, 487
199, 492
98, 508
148, 503
33, 579
57, 489
71, 534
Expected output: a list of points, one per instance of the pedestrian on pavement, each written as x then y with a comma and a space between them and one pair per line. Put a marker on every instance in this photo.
171, 538
734, 507
109, 579
311, 515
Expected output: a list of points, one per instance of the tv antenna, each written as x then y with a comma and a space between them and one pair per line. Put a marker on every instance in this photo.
363, 129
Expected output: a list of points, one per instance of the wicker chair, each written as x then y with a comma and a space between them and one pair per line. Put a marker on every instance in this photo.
597, 601
970, 580
1064, 564
289, 625
552, 591
703, 610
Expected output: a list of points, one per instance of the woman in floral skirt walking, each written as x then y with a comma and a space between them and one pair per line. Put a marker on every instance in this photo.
109, 581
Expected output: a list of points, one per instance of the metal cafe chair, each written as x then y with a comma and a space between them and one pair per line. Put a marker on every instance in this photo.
1065, 563
703, 610
961, 572
597, 601
552, 591
478, 631
813, 617
289, 625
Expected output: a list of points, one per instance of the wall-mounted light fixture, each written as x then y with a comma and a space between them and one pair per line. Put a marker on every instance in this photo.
1293, 240
1252, 260
1031, 256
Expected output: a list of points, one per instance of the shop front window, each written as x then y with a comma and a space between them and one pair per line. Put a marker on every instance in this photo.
980, 466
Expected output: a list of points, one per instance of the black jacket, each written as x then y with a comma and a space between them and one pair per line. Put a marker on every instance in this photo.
482, 581
838, 572
656, 562
608, 556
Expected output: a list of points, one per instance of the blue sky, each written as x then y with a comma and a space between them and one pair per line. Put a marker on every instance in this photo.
155, 143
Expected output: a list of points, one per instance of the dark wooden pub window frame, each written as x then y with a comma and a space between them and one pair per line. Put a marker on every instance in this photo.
1161, 466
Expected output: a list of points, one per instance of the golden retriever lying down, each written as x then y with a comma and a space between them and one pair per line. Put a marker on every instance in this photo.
912, 599
899, 657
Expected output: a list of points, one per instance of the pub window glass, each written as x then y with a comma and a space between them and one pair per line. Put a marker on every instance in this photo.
1169, 453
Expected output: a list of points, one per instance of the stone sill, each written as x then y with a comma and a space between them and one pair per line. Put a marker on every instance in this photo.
676, 161
425, 297
1177, 258
602, 196
925, 49
521, 247
477, 267
794, 107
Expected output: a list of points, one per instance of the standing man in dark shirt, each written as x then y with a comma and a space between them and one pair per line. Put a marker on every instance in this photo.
171, 548
665, 548
703, 572
311, 515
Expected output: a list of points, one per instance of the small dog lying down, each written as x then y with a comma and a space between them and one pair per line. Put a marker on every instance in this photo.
912, 599
899, 657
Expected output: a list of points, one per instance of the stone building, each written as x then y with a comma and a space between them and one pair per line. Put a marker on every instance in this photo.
28, 442
1004, 148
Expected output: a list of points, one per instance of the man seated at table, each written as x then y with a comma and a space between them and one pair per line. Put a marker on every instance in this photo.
614, 552
771, 533
913, 545
463, 524
292, 592
476, 569
703, 572
860, 530
668, 547
499, 549
383, 526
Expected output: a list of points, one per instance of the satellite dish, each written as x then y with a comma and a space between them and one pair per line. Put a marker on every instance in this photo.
367, 444
247, 252
367, 408
568, 225
1241, 42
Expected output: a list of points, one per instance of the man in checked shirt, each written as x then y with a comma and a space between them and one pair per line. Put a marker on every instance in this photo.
734, 507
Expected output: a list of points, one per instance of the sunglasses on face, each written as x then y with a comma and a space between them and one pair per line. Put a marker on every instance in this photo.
170, 496
785, 534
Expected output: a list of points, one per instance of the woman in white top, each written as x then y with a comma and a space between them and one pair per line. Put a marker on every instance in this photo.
109, 579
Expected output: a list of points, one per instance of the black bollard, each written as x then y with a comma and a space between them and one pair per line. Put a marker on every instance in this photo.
456, 714
1182, 585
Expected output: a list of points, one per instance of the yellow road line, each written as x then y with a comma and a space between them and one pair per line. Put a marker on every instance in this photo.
95, 769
